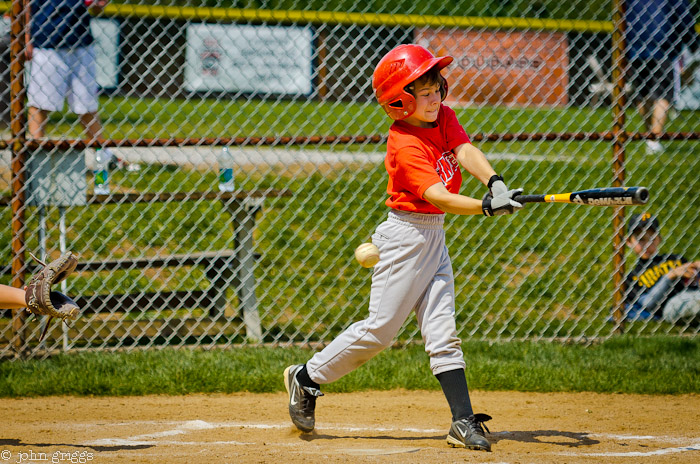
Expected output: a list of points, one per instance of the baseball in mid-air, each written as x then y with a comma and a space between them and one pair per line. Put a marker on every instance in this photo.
367, 254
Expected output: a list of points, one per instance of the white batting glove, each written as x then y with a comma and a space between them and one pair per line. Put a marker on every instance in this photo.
500, 200
497, 186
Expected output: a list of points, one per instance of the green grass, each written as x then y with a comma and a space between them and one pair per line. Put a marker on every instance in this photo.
656, 365
162, 118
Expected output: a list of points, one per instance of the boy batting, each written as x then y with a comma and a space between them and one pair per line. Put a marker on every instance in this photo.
425, 149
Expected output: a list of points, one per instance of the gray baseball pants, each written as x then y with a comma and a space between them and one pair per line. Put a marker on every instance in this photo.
414, 273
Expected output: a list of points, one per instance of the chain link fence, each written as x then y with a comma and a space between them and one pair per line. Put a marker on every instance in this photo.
176, 250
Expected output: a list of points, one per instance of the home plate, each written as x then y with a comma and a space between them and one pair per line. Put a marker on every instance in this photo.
377, 452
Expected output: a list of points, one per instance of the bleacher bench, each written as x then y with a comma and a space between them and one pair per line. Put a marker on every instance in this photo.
224, 268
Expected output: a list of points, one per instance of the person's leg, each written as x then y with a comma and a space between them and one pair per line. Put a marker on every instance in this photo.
436, 319
12, 297
454, 386
408, 262
47, 88
654, 122
36, 122
682, 307
399, 280
661, 85
659, 115
82, 95
82, 92
466, 430
93, 126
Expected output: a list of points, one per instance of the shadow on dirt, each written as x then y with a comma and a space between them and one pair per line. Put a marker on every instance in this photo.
552, 437
16, 442
322, 436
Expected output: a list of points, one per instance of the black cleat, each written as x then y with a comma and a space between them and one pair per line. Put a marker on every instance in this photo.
469, 433
302, 400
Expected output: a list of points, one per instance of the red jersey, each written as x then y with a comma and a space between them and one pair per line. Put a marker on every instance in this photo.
418, 157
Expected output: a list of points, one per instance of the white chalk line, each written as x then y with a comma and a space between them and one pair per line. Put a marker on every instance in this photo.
695, 446
182, 428
658, 452
660, 438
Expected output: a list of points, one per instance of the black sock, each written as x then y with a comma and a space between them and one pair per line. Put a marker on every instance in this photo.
305, 380
454, 386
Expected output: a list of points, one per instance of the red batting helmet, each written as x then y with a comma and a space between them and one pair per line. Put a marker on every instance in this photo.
401, 66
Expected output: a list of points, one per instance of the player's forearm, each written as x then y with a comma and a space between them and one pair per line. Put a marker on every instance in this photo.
474, 162
452, 203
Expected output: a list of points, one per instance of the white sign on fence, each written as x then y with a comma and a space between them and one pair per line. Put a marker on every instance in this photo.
688, 82
255, 59
5, 30
106, 34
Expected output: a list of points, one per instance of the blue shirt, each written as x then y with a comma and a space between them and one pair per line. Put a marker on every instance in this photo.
60, 24
657, 29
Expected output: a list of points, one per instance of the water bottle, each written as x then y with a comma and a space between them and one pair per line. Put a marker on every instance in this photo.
101, 172
226, 183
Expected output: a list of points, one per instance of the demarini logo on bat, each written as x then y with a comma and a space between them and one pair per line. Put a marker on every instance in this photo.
602, 201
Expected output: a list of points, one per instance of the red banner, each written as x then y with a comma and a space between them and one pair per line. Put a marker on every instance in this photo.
523, 68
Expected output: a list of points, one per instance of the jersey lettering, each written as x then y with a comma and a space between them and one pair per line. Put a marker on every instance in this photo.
446, 167
649, 278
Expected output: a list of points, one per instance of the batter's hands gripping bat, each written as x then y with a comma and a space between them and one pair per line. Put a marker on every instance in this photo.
612, 196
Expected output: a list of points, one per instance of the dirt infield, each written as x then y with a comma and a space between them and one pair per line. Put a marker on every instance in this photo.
370, 427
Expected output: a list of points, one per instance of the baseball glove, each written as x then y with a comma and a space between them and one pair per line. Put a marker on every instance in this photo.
44, 302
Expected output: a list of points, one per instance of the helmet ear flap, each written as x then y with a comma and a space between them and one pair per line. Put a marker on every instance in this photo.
402, 107
443, 88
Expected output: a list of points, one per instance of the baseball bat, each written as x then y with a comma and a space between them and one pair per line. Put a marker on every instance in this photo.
611, 196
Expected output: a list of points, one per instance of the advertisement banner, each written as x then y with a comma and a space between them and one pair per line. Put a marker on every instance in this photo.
515, 68
251, 59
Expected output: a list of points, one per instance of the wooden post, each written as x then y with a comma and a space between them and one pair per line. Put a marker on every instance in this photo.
18, 127
619, 139
322, 64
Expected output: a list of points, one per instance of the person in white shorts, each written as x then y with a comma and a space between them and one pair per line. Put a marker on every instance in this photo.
425, 149
60, 48
62, 56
